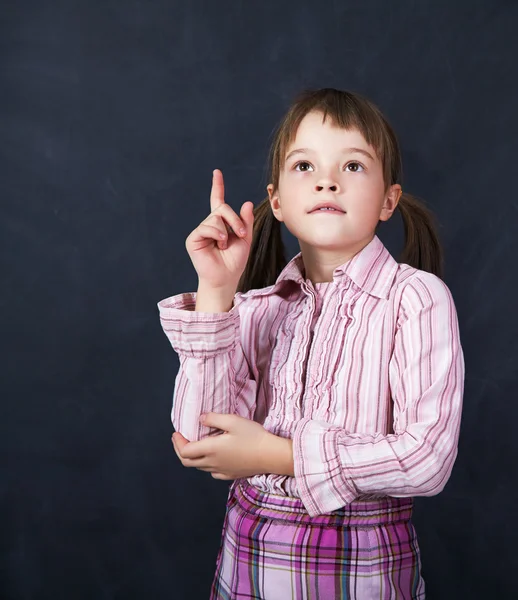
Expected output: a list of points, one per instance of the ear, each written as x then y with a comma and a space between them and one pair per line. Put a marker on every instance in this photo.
390, 202
275, 203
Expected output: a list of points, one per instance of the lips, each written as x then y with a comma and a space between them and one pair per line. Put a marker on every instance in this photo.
327, 207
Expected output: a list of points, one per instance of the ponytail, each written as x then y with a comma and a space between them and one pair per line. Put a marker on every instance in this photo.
422, 247
267, 256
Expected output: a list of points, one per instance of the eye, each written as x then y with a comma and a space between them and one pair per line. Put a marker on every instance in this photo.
303, 166
356, 167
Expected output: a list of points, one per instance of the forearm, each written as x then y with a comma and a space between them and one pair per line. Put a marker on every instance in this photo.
201, 386
333, 467
214, 374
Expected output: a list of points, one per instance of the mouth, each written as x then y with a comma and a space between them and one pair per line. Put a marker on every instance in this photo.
328, 207
329, 210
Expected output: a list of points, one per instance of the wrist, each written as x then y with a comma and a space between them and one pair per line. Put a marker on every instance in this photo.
214, 299
278, 457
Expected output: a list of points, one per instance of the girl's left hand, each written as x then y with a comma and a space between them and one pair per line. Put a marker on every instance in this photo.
245, 449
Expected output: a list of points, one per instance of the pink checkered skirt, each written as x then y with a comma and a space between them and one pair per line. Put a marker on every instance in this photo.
273, 550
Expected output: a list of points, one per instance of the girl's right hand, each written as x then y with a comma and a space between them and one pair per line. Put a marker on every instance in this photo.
220, 245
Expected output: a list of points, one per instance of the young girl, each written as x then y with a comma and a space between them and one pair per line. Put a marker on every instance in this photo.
335, 382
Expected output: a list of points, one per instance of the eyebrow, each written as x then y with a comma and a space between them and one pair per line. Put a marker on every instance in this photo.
344, 151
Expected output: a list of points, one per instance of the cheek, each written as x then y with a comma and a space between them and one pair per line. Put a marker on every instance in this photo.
366, 206
366, 191
289, 184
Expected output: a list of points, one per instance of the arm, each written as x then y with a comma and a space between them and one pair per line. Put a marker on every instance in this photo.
244, 449
214, 375
333, 467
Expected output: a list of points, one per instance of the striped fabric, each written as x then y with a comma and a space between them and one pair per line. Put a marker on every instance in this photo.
273, 550
364, 373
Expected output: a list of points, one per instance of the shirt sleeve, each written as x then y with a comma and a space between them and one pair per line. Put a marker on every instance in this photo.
214, 375
426, 374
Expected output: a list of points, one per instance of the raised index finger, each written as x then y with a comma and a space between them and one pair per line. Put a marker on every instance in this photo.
217, 192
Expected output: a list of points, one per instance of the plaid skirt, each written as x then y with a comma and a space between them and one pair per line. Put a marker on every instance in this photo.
271, 549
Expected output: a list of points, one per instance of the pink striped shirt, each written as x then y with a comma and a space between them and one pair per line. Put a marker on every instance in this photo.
365, 374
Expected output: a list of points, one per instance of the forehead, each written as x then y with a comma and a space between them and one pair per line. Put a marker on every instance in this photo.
316, 134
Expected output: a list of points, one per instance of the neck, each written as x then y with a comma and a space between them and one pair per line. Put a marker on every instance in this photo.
320, 263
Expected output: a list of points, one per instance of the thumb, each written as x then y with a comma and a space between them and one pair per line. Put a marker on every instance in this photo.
247, 214
219, 421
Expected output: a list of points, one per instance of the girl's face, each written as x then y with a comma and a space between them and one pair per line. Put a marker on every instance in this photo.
331, 166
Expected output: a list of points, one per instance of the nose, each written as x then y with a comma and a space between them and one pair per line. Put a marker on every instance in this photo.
327, 184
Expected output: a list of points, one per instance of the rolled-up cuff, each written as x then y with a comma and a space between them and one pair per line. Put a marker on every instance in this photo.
321, 477
197, 334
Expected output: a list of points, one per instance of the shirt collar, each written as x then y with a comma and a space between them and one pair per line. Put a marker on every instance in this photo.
373, 270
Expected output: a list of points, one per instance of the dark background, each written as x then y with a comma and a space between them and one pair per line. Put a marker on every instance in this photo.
112, 116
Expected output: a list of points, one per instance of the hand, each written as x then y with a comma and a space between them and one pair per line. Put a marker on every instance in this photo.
220, 245
243, 450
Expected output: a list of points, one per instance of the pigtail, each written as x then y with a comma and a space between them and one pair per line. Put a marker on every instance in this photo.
267, 255
422, 246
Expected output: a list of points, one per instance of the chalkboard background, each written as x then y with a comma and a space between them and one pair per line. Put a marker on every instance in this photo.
112, 116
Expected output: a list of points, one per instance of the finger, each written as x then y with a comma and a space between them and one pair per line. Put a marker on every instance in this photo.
178, 436
222, 476
196, 450
176, 450
232, 219
247, 216
198, 463
179, 442
210, 232
187, 462
217, 192
224, 422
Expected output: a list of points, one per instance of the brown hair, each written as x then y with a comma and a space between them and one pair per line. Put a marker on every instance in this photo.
349, 111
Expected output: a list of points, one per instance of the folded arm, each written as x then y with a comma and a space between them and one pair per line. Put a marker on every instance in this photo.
214, 374
333, 466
